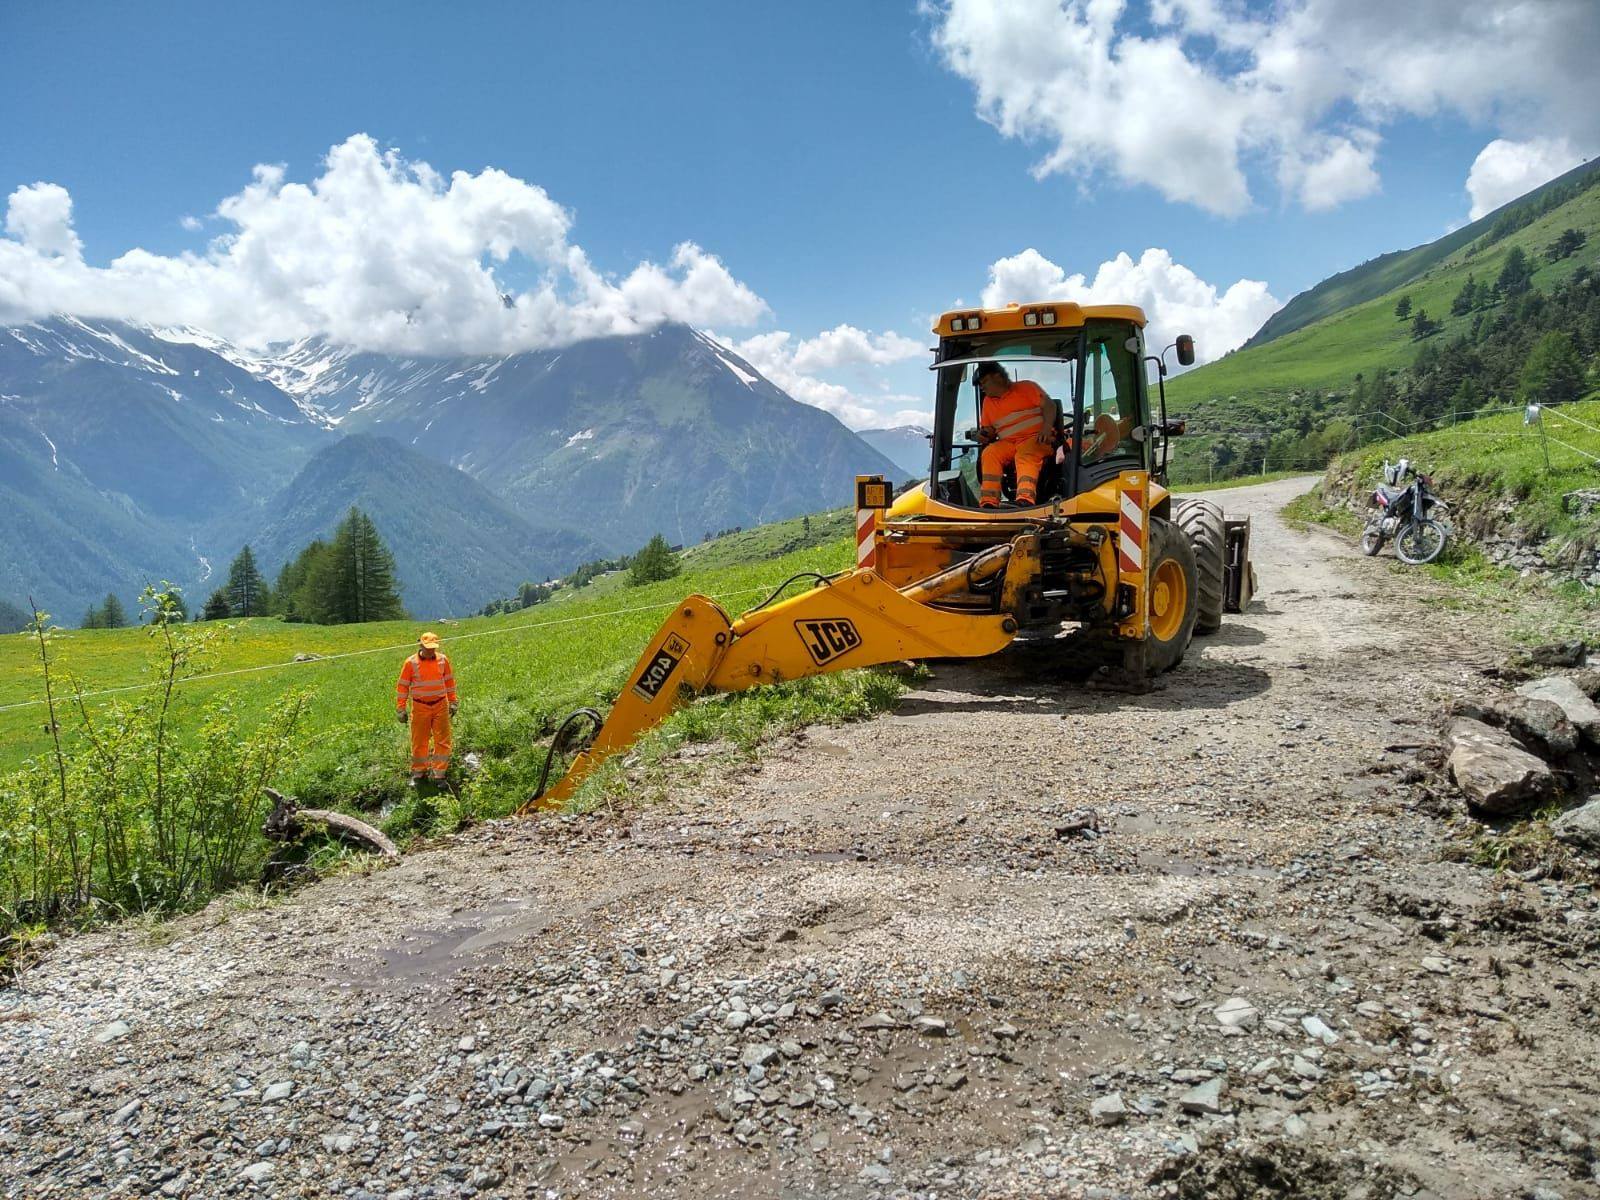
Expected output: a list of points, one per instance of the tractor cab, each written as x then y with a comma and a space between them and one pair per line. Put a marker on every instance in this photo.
1088, 361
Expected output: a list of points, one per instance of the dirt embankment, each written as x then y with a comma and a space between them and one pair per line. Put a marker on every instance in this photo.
1496, 522
894, 959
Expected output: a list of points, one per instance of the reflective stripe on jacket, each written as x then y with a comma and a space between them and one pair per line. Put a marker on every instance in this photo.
425, 681
1017, 413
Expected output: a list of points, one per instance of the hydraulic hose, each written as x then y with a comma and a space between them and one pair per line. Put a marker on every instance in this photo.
822, 581
588, 714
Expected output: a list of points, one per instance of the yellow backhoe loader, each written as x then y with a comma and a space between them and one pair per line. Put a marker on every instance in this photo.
1105, 547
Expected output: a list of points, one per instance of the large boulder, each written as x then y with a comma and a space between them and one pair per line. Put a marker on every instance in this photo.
1575, 704
1538, 724
1581, 826
1496, 775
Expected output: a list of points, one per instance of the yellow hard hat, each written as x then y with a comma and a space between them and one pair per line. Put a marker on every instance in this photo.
429, 641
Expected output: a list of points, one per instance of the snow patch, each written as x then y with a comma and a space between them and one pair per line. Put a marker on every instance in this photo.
205, 563
744, 376
583, 435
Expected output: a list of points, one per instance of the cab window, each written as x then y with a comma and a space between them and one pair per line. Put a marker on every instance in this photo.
1111, 398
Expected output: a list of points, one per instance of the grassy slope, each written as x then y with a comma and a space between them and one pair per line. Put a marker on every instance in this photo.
1492, 473
517, 674
1390, 272
1366, 338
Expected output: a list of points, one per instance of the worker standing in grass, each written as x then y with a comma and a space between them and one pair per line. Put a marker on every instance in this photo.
1018, 429
428, 684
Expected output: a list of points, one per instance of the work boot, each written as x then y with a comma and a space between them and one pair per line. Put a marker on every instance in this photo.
436, 778
416, 779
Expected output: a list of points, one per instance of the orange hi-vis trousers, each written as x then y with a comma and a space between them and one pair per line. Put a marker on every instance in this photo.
430, 722
1029, 457
430, 686
1017, 416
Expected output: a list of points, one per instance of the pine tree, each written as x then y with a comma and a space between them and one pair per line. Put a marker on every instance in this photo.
112, 614
216, 608
1565, 246
1402, 307
354, 581
1423, 325
380, 596
247, 590
1466, 299
655, 561
1553, 372
91, 619
293, 595
1516, 276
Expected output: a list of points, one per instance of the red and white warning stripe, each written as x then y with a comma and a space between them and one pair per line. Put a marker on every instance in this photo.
866, 541
1130, 529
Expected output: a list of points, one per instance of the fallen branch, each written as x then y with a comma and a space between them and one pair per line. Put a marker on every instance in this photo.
288, 821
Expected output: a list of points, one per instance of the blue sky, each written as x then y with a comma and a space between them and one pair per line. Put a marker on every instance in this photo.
848, 164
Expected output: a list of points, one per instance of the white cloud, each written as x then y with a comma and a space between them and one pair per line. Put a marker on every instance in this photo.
847, 371
869, 402
1505, 170
1191, 99
377, 252
191, 223
1175, 300
845, 345
40, 217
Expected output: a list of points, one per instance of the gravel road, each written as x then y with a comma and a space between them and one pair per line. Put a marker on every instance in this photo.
887, 960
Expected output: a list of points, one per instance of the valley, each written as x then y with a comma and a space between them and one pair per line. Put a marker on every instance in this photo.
134, 455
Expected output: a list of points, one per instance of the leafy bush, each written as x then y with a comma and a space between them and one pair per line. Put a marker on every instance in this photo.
124, 815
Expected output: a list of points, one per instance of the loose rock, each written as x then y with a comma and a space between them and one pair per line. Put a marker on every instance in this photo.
1495, 774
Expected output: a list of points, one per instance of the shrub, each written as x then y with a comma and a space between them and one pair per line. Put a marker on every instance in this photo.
123, 815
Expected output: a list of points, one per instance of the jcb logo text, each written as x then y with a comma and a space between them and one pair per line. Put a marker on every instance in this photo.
827, 640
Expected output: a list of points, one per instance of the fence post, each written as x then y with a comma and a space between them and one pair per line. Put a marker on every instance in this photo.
1534, 415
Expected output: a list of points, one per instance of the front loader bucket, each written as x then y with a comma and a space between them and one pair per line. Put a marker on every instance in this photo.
1238, 574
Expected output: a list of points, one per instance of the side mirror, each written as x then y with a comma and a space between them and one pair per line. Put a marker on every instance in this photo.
1185, 350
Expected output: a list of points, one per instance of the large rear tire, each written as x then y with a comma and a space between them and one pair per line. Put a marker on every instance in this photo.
1201, 522
1172, 584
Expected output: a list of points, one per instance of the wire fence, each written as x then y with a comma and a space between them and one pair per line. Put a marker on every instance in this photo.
321, 659
1366, 428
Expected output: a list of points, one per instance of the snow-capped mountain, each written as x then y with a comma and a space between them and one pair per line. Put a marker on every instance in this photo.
906, 446
170, 447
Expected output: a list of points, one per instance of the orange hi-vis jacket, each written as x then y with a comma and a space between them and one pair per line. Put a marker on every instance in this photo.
425, 681
1017, 416
1016, 413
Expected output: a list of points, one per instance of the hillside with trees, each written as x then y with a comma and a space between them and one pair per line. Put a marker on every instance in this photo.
1464, 335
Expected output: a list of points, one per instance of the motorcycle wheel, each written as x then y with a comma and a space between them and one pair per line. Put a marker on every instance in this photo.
1420, 542
1371, 541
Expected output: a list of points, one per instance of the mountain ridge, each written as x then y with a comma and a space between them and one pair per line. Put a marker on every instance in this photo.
134, 454
464, 545
1380, 275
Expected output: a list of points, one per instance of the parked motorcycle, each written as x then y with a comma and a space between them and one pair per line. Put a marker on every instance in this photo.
1407, 511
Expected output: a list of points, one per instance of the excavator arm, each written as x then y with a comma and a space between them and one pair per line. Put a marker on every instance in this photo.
856, 620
